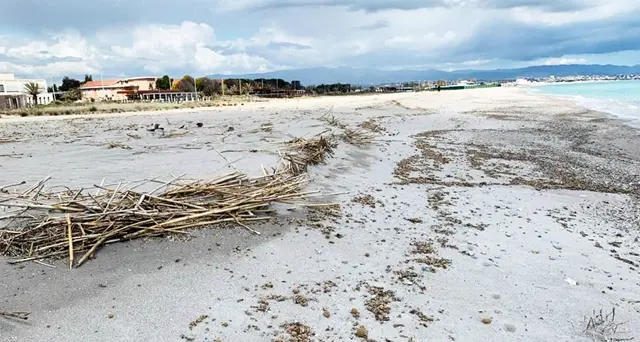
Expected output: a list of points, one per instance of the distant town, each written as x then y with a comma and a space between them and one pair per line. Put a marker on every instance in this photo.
585, 78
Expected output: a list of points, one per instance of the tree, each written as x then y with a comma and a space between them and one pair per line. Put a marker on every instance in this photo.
233, 90
207, 86
34, 89
187, 84
71, 95
248, 87
163, 83
87, 78
69, 84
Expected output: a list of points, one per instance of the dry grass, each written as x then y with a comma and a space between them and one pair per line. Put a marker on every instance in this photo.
602, 327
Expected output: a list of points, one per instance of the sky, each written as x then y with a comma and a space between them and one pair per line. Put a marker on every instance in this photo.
117, 38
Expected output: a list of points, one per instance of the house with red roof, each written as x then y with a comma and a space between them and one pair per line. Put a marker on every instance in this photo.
117, 89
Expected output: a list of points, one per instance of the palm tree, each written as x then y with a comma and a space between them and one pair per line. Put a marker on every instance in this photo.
248, 87
33, 89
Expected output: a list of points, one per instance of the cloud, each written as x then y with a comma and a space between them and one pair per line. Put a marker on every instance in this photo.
54, 69
138, 37
383, 5
378, 24
564, 61
544, 5
522, 41
159, 48
354, 5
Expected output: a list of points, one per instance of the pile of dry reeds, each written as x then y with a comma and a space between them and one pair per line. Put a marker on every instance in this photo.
305, 152
76, 223
358, 137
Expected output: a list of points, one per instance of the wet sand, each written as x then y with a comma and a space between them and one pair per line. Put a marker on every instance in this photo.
484, 215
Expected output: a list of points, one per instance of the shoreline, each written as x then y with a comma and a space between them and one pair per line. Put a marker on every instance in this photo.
481, 215
578, 100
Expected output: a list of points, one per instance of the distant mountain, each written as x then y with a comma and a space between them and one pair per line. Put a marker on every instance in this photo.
373, 76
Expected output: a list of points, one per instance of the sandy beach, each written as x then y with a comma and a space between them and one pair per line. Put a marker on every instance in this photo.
476, 215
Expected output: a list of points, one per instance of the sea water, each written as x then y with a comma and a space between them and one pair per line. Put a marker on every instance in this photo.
620, 98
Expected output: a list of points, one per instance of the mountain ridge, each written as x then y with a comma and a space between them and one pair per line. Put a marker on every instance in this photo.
319, 75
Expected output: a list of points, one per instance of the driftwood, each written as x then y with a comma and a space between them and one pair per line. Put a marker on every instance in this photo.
18, 315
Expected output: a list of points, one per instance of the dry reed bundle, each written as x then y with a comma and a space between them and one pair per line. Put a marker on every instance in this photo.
75, 223
307, 152
357, 137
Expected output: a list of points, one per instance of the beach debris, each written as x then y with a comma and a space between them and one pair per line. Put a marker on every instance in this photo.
331, 120
355, 313
298, 332
155, 127
367, 200
173, 134
230, 129
571, 281
118, 145
414, 219
486, 320
18, 315
424, 319
305, 152
357, 137
603, 327
77, 223
361, 332
372, 125
267, 127
199, 124
197, 321
378, 305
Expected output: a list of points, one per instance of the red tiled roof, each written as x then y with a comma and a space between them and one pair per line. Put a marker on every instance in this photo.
98, 84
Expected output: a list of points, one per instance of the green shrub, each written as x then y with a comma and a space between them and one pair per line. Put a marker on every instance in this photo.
93, 109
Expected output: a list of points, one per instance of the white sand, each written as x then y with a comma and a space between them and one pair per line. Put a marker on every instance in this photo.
518, 271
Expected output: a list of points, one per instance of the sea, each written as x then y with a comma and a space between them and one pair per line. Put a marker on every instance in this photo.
619, 98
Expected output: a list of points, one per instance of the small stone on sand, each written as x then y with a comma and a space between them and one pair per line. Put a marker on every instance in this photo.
510, 328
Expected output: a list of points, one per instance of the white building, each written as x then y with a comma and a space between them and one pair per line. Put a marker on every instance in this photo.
13, 94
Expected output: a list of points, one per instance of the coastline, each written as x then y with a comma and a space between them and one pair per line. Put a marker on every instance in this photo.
595, 104
527, 204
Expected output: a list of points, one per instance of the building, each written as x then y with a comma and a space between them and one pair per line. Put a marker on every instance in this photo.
14, 95
296, 85
116, 90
